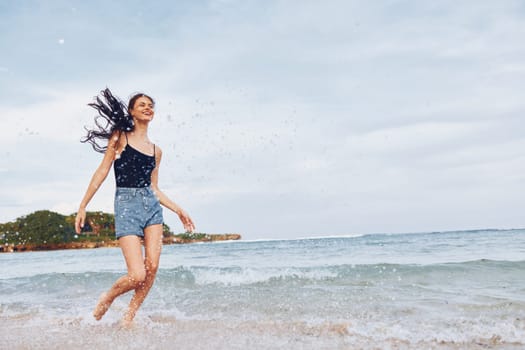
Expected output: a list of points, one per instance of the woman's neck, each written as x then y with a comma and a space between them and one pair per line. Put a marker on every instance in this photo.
141, 130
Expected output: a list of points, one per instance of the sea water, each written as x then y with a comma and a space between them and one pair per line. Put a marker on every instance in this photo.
450, 290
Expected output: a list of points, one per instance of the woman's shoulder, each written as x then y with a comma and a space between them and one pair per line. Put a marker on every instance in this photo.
158, 150
115, 138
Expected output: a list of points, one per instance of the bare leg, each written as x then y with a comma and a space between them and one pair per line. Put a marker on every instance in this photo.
132, 250
152, 247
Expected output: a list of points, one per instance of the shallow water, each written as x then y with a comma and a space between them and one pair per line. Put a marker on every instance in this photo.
430, 290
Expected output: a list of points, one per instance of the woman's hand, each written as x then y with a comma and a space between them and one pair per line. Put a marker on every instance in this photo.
79, 220
188, 224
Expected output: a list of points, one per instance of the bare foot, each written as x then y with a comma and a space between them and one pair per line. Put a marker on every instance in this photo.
102, 306
126, 323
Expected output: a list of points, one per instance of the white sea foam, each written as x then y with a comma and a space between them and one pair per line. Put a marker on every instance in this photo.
236, 277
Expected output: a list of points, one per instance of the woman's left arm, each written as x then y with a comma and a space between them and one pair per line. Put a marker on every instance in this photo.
188, 224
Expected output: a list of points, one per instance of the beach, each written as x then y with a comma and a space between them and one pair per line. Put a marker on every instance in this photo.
439, 290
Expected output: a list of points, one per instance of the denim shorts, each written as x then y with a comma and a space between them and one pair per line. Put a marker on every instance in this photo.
136, 209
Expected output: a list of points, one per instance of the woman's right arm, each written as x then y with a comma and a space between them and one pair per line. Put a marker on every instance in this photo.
98, 178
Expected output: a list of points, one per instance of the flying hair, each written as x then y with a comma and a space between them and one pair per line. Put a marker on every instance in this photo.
112, 116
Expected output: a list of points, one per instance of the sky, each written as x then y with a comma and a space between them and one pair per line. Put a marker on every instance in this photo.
277, 119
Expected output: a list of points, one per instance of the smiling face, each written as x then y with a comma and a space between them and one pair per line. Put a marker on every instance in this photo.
142, 109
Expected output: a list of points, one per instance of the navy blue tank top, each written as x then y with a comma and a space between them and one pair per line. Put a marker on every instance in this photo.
133, 168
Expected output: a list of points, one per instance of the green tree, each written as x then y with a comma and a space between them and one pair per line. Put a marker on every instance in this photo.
47, 227
40, 227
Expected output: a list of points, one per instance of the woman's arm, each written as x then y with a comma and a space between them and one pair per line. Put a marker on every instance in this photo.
98, 178
189, 226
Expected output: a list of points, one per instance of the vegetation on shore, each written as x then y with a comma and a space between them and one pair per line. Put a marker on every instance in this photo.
48, 230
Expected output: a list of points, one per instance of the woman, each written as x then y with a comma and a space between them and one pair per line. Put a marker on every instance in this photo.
138, 215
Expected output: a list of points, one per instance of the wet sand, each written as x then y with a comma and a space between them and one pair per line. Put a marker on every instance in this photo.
164, 332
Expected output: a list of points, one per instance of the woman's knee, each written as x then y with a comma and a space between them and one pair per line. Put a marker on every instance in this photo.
137, 276
151, 267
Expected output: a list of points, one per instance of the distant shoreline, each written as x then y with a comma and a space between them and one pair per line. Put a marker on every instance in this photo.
185, 238
48, 230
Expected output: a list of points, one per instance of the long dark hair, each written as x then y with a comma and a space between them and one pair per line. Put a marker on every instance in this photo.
115, 117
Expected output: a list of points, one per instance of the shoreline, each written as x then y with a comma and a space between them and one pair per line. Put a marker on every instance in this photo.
173, 239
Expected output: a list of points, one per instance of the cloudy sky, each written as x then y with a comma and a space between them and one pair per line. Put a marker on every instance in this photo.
277, 118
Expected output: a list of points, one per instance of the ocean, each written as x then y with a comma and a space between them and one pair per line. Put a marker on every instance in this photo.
439, 290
